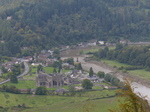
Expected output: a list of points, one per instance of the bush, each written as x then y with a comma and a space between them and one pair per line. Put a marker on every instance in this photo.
133, 67
147, 69
11, 89
124, 71
41, 91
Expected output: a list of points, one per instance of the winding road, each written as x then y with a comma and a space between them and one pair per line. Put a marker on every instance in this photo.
24, 73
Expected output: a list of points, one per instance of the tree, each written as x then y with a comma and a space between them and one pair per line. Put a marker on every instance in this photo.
70, 61
112, 79
106, 49
54, 70
132, 102
22, 65
13, 79
9, 74
56, 64
91, 72
41, 91
16, 70
59, 68
56, 53
39, 68
29, 91
12, 89
87, 84
79, 66
101, 74
4, 70
71, 88
119, 46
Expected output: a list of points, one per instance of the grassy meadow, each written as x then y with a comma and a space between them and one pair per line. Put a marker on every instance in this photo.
141, 73
94, 49
96, 100
115, 63
90, 50
50, 70
93, 101
22, 84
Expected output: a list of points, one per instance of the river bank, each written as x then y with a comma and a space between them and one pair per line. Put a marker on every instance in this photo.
140, 85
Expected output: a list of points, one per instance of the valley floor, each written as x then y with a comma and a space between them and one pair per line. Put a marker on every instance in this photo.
95, 101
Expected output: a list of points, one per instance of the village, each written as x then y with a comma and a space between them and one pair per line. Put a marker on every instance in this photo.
50, 74
62, 74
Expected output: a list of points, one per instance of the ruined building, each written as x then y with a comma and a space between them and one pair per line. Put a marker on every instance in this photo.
49, 80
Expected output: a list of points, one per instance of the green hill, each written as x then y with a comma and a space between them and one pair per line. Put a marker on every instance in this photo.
41, 24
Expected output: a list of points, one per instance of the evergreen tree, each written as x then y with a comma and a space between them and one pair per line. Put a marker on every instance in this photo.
91, 72
79, 66
39, 68
54, 70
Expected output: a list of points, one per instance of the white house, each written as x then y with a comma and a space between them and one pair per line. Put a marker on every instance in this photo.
92, 44
9, 18
101, 42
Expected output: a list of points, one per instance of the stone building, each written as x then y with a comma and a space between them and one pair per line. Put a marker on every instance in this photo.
49, 80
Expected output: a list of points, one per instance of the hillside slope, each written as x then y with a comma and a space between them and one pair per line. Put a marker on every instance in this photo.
47, 23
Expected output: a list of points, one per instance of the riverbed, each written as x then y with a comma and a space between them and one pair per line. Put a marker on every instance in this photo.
145, 91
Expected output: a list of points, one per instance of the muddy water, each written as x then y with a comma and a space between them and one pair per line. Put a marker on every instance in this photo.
145, 91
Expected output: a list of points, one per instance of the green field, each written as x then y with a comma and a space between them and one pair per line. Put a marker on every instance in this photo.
50, 70
1, 79
60, 103
95, 101
99, 94
90, 50
115, 63
95, 49
97, 87
22, 84
33, 69
143, 74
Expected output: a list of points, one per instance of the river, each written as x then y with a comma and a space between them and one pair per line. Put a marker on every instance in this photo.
145, 91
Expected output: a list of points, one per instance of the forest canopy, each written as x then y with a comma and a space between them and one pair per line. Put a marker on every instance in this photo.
42, 24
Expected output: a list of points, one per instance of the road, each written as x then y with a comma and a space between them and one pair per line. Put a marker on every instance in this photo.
24, 73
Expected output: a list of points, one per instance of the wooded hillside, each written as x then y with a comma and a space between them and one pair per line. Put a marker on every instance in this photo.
45, 23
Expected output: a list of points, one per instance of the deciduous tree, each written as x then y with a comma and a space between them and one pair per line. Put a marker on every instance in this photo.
101, 74
13, 79
132, 102
87, 84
